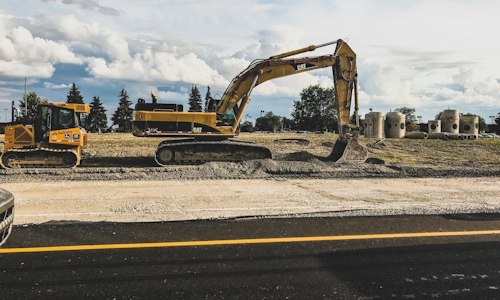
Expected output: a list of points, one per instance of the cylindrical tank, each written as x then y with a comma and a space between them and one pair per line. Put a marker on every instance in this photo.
449, 121
395, 125
434, 126
374, 125
469, 125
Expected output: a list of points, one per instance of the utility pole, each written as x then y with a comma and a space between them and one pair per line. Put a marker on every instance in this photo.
491, 119
25, 98
13, 110
419, 119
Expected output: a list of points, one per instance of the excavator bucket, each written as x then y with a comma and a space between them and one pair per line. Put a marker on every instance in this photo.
348, 150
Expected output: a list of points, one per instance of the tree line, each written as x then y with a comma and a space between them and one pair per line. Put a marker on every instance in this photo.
314, 111
96, 120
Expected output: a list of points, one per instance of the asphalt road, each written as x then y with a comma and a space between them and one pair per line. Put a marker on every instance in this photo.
356, 261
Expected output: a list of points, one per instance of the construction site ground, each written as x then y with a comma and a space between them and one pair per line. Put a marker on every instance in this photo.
119, 181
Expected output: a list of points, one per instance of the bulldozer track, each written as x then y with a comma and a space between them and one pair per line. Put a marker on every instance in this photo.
41, 151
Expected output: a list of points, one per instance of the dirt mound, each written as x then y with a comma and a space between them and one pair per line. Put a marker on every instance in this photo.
300, 156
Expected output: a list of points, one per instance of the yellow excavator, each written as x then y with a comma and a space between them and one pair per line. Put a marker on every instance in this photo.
206, 134
54, 138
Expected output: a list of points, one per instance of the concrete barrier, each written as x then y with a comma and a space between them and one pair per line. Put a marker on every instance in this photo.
416, 135
438, 136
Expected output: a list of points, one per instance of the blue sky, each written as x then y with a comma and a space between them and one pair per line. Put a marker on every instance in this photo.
428, 54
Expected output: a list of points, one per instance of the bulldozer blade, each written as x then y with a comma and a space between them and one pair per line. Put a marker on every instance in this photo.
348, 150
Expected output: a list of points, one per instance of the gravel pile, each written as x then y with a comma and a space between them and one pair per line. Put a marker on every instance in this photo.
294, 165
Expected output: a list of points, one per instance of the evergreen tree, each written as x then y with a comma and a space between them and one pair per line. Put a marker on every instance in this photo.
315, 110
209, 101
97, 119
74, 95
33, 101
123, 114
194, 100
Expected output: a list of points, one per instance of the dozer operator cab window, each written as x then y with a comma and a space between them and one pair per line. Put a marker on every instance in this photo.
62, 118
79, 119
42, 126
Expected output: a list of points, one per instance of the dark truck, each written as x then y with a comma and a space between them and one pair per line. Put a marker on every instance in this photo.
6, 214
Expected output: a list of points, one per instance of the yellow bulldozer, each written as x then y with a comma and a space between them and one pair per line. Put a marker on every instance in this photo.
53, 138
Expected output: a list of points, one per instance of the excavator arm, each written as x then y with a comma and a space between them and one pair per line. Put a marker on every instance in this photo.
343, 63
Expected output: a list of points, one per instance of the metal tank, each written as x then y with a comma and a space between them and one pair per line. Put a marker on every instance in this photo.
434, 126
450, 121
469, 125
374, 125
395, 125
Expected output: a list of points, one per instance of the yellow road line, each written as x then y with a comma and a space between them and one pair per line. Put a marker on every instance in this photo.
251, 241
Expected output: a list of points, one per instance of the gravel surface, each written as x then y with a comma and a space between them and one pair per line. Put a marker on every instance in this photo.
310, 167
172, 200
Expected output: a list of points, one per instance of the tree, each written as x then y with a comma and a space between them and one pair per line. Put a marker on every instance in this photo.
194, 100
269, 122
247, 126
74, 95
209, 101
97, 119
316, 109
288, 123
123, 114
482, 124
409, 113
33, 101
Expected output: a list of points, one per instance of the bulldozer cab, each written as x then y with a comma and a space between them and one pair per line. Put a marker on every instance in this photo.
51, 117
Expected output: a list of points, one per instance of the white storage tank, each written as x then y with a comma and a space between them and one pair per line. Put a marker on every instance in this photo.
395, 125
469, 125
434, 126
450, 121
374, 125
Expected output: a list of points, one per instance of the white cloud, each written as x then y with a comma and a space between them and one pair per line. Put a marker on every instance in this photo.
23, 55
89, 4
157, 67
172, 96
50, 85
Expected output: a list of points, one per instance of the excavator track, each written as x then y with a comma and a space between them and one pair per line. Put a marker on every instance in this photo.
39, 158
190, 150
